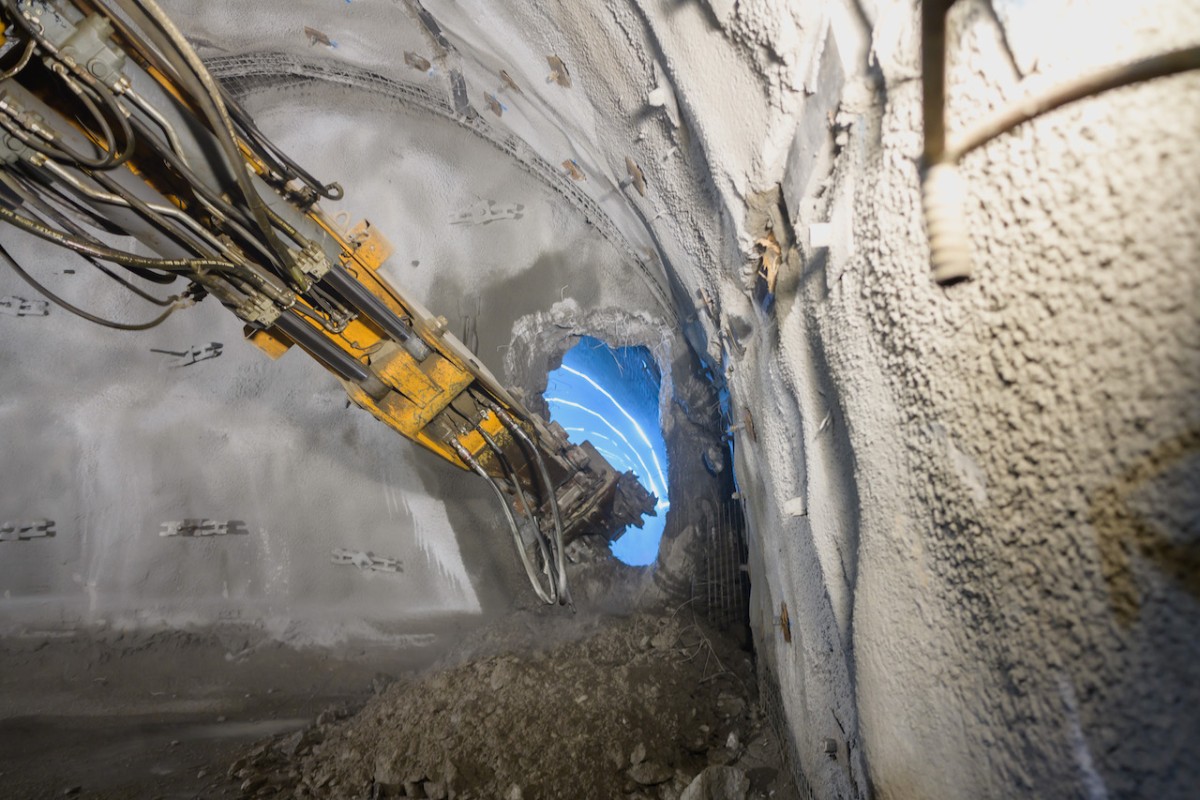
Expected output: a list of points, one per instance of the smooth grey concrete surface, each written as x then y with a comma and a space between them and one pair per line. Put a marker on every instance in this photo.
978, 504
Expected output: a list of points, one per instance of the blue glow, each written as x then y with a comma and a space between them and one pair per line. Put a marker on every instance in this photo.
609, 396
641, 434
582, 409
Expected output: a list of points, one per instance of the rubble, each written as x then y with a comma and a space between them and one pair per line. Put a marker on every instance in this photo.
643, 707
718, 783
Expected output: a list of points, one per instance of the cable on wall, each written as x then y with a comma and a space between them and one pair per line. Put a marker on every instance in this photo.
943, 188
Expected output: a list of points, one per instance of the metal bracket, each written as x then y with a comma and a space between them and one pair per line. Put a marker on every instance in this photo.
203, 527
24, 531
313, 262
366, 561
258, 310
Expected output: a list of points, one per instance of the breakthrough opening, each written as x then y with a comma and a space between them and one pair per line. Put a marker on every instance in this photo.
609, 396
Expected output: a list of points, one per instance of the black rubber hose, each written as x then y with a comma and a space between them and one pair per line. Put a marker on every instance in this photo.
279, 160
22, 62
116, 256
107, 323
235, 215
543, 544
27, 194
186, 172
200, 84
114, 108
508, 422
112, 157
272, 155
37, 177
190, 241
55, 149
547, 598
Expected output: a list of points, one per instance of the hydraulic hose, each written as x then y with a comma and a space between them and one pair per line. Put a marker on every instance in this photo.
542, 543
235, 218
35, 180
22, 62
279, 160
116, 194
207, 94
79, 312
49, 144
266, 150
109, 254
469, 460
516, 430
115, 158
22, 189
112, 158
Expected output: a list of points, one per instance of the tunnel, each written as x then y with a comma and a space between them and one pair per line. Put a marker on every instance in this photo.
610, 397
891, 308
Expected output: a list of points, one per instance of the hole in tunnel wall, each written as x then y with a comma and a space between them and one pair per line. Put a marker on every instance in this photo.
610, 397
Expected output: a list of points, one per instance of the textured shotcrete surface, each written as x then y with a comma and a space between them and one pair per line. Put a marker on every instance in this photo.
1048, 420
978, 504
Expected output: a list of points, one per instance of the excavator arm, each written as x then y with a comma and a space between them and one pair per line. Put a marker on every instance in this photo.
110, 126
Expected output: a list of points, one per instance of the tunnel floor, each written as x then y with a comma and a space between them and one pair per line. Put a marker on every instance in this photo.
533, 706
121, 716
655, 705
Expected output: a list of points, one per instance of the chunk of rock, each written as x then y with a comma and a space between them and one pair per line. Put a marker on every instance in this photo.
253, 784
639, 755
502, 675
387, 774
730, 705
718, 783
720, 756
649, 773
663, 639
290, 745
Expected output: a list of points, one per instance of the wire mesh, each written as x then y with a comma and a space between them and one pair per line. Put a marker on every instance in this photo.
720, 587
770, 700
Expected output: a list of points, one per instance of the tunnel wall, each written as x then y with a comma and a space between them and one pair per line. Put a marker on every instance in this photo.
188, 480
978, 504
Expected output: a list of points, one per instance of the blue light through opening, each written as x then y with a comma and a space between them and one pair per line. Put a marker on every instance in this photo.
609, 396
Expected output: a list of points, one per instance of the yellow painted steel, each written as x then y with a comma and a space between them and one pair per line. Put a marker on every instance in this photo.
419, 391
371, 246
273, 346
403, 373
410, 417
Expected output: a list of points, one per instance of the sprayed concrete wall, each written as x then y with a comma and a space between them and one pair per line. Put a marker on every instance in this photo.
189, 480
978, 504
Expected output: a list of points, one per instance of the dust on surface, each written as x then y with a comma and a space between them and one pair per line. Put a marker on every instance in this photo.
639, 708
106, 714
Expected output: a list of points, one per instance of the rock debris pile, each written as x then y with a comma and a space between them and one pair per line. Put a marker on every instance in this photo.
651, 706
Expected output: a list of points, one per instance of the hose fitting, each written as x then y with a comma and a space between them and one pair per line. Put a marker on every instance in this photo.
944, 195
